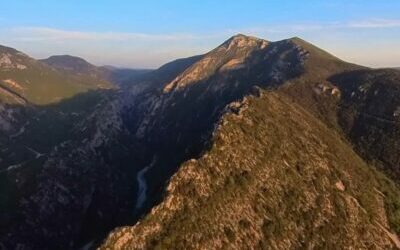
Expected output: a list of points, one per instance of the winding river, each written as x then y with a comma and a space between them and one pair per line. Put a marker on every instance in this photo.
142, 184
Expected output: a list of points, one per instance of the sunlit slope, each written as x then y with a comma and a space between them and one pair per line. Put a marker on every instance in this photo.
26, 80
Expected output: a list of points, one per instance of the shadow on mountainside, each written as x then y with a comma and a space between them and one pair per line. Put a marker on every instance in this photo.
36, 131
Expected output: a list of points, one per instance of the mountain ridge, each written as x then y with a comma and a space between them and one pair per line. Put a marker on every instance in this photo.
318, 68
73, 64
227, 198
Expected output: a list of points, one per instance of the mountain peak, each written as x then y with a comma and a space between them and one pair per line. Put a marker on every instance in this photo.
240, 41
72, 64
56, 59
240, 36
230, 55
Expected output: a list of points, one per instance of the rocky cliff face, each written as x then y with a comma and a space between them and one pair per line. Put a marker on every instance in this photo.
358, 102
370, 114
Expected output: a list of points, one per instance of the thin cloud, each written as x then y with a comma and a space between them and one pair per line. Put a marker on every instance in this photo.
310, 27
376, 23
50, 34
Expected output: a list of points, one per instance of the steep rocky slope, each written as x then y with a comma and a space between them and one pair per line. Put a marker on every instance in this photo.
314, 80
91, 163
39, 107
275, 177
360, 103
370, 114
39, 104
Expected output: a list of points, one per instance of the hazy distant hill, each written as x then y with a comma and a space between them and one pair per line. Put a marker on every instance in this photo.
74, 65
126, 76
24, 79
80, 67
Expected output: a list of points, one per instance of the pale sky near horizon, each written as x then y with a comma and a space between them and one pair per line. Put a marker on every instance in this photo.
147, 34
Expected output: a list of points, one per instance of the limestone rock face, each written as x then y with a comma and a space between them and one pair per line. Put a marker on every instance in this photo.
7, 62
233, 54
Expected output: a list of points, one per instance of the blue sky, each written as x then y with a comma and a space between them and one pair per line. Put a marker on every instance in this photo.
147, 34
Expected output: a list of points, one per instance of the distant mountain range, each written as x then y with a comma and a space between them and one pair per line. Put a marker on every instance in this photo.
26, 80
78, 66
255, 144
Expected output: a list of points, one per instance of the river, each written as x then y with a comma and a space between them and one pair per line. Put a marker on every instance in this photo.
142, 185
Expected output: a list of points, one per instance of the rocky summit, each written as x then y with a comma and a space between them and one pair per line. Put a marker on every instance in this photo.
254, 145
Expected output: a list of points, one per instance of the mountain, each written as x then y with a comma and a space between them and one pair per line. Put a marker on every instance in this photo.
87, 121
26, 80
307, 76
275, 177
253, 144
80, 67
360, 103
74, 65
39, 105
